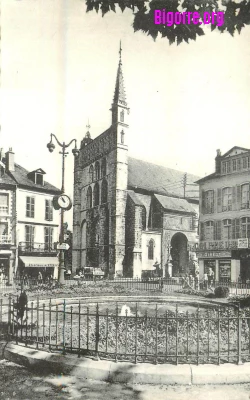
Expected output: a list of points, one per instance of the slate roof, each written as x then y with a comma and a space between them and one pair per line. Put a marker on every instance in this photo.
206, 178
20, 177
7, 180
173, 204
141, 199
158, 179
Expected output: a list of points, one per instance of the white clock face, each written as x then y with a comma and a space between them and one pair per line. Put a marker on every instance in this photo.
64, 201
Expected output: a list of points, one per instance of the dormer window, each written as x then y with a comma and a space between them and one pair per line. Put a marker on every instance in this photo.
39, 179
37, 176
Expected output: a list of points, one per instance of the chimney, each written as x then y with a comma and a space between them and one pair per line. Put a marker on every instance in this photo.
9, 157
218, 162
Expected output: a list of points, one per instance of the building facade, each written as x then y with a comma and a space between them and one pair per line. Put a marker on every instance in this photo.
129, 216
28, 222
225, 217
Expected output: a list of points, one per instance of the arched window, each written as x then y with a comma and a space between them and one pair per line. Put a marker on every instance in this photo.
89, 197
103, 168
122, 116
96, 195
104, 191
97, 170
151, 246
91, 173
143, 218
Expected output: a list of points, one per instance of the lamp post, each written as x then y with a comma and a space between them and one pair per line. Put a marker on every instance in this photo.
169, 263
75, 152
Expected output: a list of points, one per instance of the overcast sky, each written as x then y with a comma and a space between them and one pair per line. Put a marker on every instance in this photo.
59, 67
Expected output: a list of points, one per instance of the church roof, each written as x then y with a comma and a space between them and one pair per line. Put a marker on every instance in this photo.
143, 175
173, 204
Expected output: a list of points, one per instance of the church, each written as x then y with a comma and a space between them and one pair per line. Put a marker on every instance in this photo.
131, 218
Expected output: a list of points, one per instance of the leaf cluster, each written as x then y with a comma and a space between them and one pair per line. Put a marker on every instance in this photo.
236, 16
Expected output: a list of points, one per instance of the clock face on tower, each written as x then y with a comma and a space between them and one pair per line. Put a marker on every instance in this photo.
62, 201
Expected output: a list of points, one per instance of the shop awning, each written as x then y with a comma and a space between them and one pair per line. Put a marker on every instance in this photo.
35, 262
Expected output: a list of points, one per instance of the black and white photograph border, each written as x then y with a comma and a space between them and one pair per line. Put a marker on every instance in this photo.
124, 199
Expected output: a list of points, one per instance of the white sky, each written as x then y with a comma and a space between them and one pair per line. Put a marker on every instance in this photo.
59, 67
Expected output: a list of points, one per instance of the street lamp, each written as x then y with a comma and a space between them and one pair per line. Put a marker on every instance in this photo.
169, 260
63, 202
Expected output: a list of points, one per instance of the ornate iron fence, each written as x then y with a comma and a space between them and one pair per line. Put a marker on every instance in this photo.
166, 285
136, 334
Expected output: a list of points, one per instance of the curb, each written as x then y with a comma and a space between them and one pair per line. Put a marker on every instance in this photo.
124, 372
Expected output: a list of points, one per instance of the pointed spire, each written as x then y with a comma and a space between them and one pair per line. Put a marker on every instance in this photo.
120, 95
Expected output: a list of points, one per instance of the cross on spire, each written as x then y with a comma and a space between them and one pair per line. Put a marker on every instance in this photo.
88, 126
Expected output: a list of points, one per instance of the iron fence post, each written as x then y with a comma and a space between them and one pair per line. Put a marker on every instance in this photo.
9, 316
79, 329
97, 333
136, 320
37, 322
177, 333
156, 334
64, 322
198, 334
239, 320
218, 319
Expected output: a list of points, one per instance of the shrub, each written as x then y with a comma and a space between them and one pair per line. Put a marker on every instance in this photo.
221, 292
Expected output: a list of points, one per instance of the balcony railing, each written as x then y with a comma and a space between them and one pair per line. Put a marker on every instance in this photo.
5, 239
34, 247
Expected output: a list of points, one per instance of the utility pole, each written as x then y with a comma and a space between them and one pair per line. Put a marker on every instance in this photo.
184, 184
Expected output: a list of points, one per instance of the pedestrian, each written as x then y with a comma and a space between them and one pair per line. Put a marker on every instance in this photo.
205, 281
210, 278
40, 277
196, 281
191, 281
21, 305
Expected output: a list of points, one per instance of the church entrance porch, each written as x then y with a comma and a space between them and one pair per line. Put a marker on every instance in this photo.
179, 254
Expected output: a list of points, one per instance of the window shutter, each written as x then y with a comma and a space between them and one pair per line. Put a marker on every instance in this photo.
202, 230
238, 188
219, 230
203, 208
234, 203
233, 229
215, 230
32, 207
219, 206
237, 228
213, 201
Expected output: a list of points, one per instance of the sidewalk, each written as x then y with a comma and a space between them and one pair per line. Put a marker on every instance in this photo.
124, 372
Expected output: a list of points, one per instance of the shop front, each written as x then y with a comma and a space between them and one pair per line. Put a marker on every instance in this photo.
36, 267
224, 264
243, 255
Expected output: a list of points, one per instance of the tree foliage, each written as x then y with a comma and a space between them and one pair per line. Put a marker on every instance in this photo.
236, 17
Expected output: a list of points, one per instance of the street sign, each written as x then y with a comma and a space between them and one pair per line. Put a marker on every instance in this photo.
63, 246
